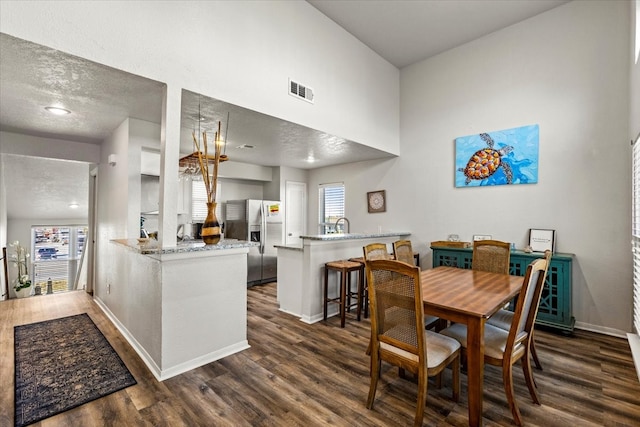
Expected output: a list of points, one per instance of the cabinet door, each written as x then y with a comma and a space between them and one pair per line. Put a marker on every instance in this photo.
552, 299
448, 258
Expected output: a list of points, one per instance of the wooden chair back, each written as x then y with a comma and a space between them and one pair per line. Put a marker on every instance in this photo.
394, 287
527, 304
402, 251
491, 255
398, 335
376, 251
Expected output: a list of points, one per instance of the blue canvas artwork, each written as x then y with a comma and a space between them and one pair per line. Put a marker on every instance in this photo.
502, 157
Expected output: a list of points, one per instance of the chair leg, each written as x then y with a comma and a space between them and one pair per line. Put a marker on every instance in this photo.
343, 297
360, 273
375, 374
507, 379
326, 291
455, 378
534, 353
528, 377
422, 397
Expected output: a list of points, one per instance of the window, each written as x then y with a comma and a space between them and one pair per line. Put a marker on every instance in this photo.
330, 206
199, 201
57, 254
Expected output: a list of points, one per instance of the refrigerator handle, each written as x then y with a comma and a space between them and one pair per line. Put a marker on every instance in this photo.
263, 226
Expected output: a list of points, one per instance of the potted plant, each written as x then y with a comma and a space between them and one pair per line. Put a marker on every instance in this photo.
22, 283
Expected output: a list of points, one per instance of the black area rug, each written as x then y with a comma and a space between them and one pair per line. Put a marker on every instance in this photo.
61, 364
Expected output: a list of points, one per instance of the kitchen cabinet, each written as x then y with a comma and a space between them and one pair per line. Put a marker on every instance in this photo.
555, 304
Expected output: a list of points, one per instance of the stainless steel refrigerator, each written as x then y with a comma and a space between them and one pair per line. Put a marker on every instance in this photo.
258, 221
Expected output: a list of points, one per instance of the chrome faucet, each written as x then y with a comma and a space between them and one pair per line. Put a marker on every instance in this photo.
346, 222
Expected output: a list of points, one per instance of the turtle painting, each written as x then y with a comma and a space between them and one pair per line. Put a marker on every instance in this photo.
485, 162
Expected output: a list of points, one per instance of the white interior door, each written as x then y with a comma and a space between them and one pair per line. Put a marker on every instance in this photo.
295, 212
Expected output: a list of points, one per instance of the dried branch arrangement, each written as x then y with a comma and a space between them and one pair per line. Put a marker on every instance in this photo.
210, 179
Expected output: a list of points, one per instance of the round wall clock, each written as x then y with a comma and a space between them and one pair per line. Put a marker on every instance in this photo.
376, 201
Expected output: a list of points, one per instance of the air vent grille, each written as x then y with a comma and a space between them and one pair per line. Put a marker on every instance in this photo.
300, 91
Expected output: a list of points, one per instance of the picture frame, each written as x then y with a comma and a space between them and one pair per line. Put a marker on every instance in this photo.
376, 201
541, 239
477, 237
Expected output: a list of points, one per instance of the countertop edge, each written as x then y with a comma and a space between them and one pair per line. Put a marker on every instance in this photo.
149, 248
290, 247
354, 236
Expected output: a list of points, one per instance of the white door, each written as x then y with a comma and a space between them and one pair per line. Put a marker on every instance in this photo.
295, 212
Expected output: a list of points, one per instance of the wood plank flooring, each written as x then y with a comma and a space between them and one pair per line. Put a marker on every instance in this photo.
296, 374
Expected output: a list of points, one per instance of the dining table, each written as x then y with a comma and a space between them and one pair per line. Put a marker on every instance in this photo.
469, 297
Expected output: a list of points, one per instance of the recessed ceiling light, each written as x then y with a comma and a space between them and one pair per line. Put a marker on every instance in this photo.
311, 159
57, 111
74, 205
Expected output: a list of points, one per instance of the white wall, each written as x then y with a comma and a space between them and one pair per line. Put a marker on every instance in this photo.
3, 226
240, 52
566, 70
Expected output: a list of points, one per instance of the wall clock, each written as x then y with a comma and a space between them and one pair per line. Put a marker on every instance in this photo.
376, 201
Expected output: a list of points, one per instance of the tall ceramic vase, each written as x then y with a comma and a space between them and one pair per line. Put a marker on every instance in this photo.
211, 228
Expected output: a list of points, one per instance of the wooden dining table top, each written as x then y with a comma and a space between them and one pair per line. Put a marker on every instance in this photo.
469, 297
474, 293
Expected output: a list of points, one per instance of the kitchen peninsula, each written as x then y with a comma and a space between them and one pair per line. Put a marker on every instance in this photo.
179, 307
301, 269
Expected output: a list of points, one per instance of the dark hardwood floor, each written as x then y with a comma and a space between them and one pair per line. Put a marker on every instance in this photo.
296, 374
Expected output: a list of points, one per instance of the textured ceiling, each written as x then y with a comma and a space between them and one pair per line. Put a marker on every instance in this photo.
33, 77
275, 142
43, 188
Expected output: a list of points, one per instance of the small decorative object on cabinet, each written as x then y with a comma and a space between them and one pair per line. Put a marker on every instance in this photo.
376, 201
555, 304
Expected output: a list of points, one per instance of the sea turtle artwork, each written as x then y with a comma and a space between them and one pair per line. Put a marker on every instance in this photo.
484, 163
504, 157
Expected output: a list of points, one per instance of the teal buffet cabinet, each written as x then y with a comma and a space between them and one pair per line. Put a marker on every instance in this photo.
555, 303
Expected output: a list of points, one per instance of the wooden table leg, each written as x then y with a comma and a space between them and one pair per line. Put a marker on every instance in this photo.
475, 369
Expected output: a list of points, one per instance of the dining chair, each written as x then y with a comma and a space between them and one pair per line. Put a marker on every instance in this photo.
503, 319
402, 340
491, 255
402, 251
376, 251
505, 348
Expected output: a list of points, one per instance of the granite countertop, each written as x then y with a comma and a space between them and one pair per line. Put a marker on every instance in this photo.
354, 236
150, 246
292, 247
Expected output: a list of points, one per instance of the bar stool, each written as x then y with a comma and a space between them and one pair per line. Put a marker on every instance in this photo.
344, 268
365, 288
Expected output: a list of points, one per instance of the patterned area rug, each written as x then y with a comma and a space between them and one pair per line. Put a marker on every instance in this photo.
61, 364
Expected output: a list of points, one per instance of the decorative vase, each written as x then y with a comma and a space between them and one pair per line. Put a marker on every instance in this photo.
23, 293
211, 228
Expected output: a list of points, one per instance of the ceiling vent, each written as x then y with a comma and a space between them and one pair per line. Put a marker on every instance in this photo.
300, 91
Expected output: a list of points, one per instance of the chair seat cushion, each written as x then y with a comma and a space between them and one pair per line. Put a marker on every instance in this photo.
439, 348
502, 319
495, 339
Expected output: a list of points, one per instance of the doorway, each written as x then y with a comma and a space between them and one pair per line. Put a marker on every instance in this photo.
295, 212
57, 257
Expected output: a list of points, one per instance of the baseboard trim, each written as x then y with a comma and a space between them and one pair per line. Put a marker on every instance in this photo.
634, 343
163, 374
601, 330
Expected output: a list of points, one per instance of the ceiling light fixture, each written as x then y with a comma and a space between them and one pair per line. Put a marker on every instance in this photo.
74, 205
57, 111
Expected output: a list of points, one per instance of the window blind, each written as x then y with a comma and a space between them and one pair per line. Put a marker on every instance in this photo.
199, 202
331, 206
